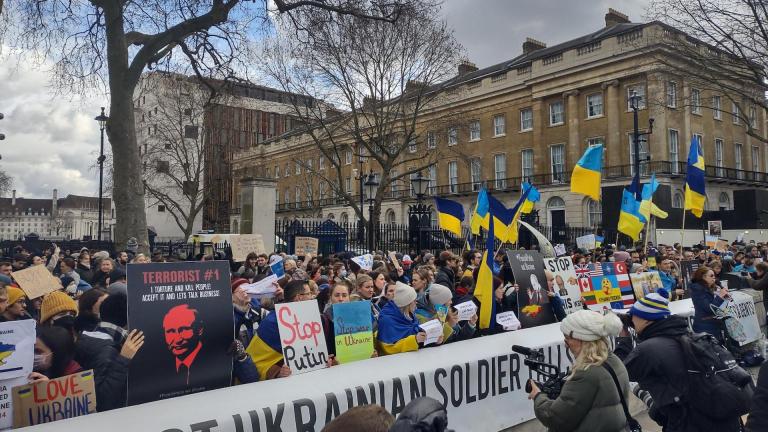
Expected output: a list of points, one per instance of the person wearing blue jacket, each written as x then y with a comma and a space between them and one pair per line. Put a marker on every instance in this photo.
705, 294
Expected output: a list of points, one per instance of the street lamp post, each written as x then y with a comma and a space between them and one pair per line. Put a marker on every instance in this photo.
637, 136
102, 119
371, 186
420, 185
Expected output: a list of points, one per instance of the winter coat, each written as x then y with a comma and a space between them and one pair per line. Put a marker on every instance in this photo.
245, 321
657, 364
703, 319
589, 401
97, 350
759, 284
86, 273
446, 277
758, 414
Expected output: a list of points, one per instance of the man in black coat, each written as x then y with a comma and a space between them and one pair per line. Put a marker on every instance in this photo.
758, 414
446, 270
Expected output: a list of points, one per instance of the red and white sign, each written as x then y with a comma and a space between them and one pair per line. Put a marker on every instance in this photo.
302, 336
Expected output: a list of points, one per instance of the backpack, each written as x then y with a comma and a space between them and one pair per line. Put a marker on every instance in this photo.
717, 387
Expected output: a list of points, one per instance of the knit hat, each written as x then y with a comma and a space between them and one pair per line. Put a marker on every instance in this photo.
237, 282
587, 325
427, 257
404, 294
14, 294
439, 294
54, 303
654, 306
621, 256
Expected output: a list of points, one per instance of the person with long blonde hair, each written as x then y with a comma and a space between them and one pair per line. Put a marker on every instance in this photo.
590, 399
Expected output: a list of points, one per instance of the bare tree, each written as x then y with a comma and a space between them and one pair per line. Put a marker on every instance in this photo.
720, 46
381, 78
109, 43
6, 182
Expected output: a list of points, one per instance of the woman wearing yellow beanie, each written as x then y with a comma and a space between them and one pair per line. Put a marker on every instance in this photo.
55, 306
17, 307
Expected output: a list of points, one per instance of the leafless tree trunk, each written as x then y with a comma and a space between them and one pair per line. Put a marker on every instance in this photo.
109, 43
380, 77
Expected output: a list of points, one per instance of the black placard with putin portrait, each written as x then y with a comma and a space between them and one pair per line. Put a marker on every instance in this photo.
185, 312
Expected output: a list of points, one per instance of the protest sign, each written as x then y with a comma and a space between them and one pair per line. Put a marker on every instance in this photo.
364, 261
609, 287
721, 245
278, 268
263, 288
466, 310
710, 241
433, 329
353, 331
57, 399
534, 307
243, 244
393, 260
6, 399
36, 281
715, 228
306, 245
560, 249
652, 262
508, 320
185, 312
566, 284
17, 348
302, 336
645, 283
586, 242
687, 269
742, 308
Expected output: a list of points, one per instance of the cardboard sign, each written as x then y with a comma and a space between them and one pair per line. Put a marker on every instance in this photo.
185, 311
710, 241
508, 320
243, 244
353, 331
57, 399
36, 281
433, 329
17, 348
393, 260
534, 307
586, 242
715, 228
645, 283
306, 245
466, 310
302, 336
560, 249
6, 398
364, 261
565, 283
609, 287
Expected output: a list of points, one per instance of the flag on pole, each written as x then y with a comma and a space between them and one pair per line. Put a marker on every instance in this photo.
501, 217
517, 210
631, 222
484, 285
647, 206
586, 174
450, 215
533, 197
480, 213
695, 193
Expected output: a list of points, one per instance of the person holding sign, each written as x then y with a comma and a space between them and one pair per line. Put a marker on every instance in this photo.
398, 328
436, 303
54, 354
705, 293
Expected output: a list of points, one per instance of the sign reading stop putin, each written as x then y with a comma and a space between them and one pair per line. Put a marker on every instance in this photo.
302, 336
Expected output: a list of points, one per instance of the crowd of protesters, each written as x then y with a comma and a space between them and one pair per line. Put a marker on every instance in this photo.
83, 325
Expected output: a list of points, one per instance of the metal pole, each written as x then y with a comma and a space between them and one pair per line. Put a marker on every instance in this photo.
101, 182
636, 139
370, 227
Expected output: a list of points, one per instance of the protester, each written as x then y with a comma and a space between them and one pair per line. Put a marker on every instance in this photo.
705, 294
422, 414
421, 279
58, 309
446, 270
84, 266
17, 305
54, 354
368, 418
758, 414
399, 329
247, 311
439, 296
88, 306
760, 282
101, 277
249, 268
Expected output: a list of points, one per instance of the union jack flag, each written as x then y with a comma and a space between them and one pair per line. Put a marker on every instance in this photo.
582, 270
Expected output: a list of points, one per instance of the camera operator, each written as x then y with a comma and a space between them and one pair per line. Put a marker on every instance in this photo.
590, 399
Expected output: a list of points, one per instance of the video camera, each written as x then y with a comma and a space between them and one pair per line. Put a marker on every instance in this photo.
534, 359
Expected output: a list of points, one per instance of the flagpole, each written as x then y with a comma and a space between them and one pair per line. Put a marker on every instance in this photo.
682, 236
647, 228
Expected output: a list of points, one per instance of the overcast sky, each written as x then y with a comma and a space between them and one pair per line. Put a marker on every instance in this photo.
52, 141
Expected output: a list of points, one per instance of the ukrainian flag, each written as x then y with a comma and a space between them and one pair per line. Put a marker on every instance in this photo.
631, 222
501, 216
450, 215
265, 348
586, 174
695, 193
484, 284
533, 197
480, 214
517, 210
647, 207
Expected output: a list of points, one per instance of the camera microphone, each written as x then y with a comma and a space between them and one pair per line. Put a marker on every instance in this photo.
523, 350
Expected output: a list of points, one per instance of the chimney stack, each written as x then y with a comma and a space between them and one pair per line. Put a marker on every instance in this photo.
614, 17
530, 45
466, 67
13, 198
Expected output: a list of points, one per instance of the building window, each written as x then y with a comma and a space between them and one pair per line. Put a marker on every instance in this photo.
475, 173
724, 201
431, 140
717, 112
753, 117
556, 113
735, 113
160, 208
453, 136
527, 165
277, 171
719, 157
287, 171
738, 161
163, 167
363, 156
526, 119
755, 159
643, 156
348, 157
474, 130
348, 185
344, 218
309, 165
677, 200
591, 142
672, 94
287, 196
411, 146
298, 194
594, 105
321, 162
390, 217
190, 131
453, 176
639, 89
432, 176
674, 151
499, 125
696, 101
557, 156
500, 171
322, 188
277, 197
394, 186
297, 169
594, 213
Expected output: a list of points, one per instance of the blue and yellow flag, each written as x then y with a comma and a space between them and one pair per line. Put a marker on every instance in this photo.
586, 174
480, 217
631, 222
533, 197
450, 215
484, 283
517, 210
501, 216
647, 206
695, 193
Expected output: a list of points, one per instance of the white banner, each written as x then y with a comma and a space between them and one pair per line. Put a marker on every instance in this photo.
566, 284
743, 308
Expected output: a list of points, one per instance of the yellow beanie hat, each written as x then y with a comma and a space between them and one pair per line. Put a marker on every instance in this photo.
54, 303
14, 294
